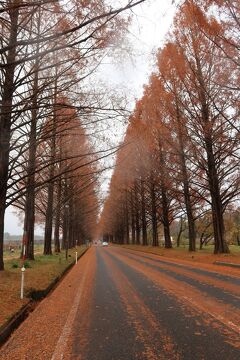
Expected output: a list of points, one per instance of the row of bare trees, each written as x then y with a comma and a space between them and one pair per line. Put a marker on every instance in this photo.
181, 150
49, 49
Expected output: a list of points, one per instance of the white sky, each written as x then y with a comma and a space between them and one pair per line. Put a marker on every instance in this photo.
151, 22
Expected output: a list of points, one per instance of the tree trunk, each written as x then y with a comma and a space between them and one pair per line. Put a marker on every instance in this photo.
126, 218
49, 214
49, 211
71, 223
186, 191
143, 215
137, 216
57, 218
29, 219
49, 222
165, 202
220, 244
5, 121
154, 215
201, 241
75, 225
2, 213
180, 232
238, 240
57, 246
133, 220
165, 215
64, 229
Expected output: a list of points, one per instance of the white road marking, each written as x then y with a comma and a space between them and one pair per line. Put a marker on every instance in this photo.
63, 339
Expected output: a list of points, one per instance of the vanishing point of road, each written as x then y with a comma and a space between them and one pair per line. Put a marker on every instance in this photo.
119, 304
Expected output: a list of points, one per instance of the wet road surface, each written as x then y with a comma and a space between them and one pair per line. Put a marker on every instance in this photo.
129, 305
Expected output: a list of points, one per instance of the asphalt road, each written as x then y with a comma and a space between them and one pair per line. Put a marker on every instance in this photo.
118, 304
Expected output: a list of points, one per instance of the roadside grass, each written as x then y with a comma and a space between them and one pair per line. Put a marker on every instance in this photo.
209, 249
39, 274
204, 256
7, 255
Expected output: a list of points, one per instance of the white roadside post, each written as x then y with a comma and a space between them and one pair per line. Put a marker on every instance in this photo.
22, 273
22, 281
76, 254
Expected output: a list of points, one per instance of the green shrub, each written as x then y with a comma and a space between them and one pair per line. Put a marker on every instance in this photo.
15, 266
27, 265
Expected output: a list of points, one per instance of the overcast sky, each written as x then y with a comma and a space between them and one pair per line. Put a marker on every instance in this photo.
151, 21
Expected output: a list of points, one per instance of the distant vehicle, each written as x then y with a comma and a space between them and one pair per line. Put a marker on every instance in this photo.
105, 243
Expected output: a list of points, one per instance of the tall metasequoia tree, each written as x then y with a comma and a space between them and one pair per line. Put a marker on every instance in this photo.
153, 211
50, 192
137, 217
57, 218
126, 211
152, 114
137, 164
29, 219
133, 219
5, 116
164, 200
170, 88
143, 213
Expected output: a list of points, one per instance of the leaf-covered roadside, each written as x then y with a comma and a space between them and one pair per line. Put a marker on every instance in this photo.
38, 276
204, 256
